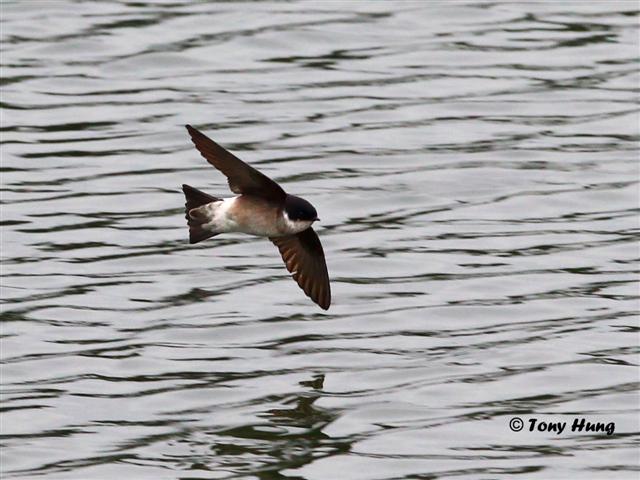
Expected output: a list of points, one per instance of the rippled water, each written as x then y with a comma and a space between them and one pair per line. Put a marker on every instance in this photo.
476, 170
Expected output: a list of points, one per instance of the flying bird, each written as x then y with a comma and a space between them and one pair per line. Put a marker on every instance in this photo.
261, 208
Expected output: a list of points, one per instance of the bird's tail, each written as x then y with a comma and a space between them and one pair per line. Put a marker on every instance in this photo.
196, 198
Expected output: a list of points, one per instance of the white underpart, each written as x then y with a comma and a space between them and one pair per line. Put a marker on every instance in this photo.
296, 226
219, 218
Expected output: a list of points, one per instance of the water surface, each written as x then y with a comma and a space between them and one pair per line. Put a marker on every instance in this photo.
475, 166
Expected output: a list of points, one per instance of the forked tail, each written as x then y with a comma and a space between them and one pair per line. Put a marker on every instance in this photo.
196, 198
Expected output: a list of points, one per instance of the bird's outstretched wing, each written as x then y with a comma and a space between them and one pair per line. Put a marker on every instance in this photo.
242, 177
303, 255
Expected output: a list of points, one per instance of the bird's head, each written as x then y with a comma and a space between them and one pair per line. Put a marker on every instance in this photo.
299, 212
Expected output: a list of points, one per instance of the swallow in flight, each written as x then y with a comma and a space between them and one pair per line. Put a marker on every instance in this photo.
262, 208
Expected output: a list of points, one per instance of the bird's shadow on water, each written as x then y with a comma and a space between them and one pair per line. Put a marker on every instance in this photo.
288, 437
291, 437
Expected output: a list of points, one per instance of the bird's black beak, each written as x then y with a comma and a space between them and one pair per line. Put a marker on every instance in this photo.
316, 219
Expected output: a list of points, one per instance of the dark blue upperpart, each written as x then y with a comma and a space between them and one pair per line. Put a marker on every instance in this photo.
299, 209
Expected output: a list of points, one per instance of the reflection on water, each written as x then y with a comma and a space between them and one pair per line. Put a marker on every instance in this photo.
475, 167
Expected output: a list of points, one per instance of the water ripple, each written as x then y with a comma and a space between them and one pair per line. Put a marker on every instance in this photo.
476, 169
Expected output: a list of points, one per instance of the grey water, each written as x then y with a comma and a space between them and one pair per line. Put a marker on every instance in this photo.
474, 164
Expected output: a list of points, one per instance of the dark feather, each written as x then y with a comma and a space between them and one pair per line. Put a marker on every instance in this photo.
196, 198
304, 257
242, 177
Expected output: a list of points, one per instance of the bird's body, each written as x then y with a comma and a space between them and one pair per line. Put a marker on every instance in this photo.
247, 214
261, 208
